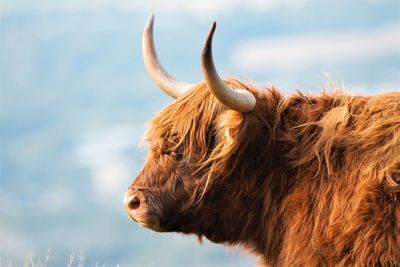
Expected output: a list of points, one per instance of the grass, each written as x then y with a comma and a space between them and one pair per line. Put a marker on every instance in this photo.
75, 260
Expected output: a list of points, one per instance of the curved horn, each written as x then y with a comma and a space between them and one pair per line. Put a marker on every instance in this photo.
157, 73
240, 100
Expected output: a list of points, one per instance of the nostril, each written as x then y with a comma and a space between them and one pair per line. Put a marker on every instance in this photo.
134, 203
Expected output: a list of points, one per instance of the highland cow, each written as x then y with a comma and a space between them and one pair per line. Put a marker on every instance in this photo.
300, 180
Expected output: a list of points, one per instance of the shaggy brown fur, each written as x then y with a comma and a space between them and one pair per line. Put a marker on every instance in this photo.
300, 180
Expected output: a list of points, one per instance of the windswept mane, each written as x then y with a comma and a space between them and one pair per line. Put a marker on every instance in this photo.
324, 129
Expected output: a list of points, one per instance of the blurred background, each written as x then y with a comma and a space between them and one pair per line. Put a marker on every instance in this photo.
75, 98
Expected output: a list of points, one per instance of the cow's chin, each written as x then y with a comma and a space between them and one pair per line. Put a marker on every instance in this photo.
156, 222
152, 226
149, 221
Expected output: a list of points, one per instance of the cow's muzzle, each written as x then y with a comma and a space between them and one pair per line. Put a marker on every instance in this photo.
140, 208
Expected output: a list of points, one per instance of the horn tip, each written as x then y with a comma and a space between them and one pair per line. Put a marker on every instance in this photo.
210, 35
150, 21
213, 26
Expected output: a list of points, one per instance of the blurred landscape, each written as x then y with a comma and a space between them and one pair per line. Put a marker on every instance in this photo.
75, 98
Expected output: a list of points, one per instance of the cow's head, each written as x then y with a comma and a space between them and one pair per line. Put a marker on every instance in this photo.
205, 152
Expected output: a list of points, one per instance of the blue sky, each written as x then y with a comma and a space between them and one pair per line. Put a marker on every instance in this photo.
75, 98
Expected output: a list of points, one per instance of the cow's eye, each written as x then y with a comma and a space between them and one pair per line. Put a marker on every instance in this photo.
178, 155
